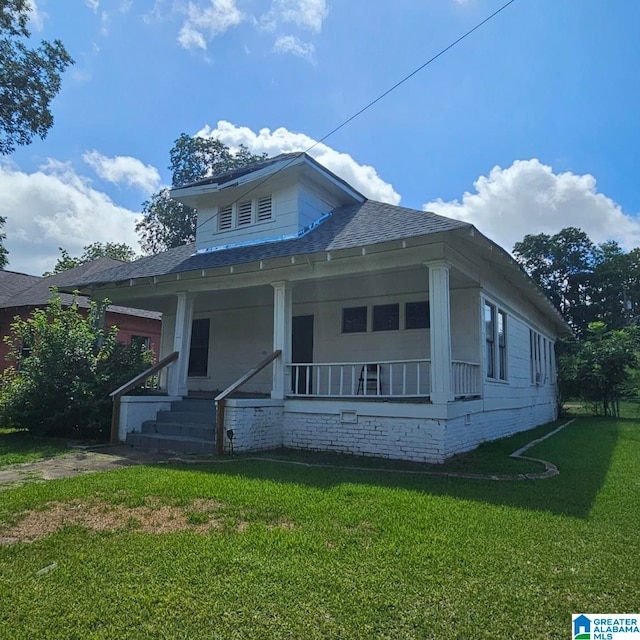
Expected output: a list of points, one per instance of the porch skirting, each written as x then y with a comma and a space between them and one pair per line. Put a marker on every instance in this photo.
357, 433
418, 432
403, 431
254, 424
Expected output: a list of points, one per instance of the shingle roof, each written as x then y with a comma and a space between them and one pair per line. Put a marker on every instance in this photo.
22, 290
353, 226
228, 176
13, 283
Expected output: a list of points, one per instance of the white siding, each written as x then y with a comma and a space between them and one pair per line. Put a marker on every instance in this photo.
238, 340
312, 205
465, 325
284, 218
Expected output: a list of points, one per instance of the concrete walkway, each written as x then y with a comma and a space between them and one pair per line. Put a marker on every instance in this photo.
78, 462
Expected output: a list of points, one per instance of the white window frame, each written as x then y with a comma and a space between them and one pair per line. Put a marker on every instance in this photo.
496, 356
542, 359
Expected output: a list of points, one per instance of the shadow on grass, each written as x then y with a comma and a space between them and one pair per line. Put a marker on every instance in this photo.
582, 452
17, 447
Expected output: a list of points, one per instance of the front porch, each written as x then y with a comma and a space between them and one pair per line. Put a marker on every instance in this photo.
418, 328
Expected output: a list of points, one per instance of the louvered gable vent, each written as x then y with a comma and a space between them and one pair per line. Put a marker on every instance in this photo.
245, 211
225, 218
264, 209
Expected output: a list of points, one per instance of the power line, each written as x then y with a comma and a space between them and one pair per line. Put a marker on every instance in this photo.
373, 102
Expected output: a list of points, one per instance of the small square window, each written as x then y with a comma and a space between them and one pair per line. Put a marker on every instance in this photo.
416, 315
354, 319
386, 317
142, 342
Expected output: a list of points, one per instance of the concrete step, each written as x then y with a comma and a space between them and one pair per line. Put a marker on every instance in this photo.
202, 432
186, 417
177, 444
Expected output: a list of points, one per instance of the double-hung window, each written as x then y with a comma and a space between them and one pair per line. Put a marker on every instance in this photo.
490, 339
495, 353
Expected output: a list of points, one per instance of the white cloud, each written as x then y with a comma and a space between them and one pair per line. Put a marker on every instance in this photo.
93, 5
36, 16
124, 170
55, 207
528, 197
205, 23
105, 19
291, 44
204, 20
362, 177
190, 38
308, 14
157, 14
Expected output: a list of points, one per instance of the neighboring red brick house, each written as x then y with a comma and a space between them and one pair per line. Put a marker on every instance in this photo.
20, 294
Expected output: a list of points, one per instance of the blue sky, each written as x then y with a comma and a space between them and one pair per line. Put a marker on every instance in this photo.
529, 125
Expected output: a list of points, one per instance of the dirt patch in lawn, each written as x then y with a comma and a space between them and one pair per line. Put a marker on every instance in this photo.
152, 517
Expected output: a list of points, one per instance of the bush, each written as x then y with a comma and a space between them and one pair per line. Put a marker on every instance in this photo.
65, 364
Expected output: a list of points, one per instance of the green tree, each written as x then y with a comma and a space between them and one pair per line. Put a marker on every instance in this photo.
64, 365
563, 265
29, 78
616, 285
115, 250
598, 369
4, 260
166, 223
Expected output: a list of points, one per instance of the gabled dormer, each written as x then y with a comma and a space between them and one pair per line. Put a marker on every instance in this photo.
278, 198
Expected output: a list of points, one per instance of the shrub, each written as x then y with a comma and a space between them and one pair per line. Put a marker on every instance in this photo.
65, 364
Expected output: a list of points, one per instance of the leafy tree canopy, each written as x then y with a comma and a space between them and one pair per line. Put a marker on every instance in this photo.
29, 78
601, 368
115, 250
586, 282
167, 223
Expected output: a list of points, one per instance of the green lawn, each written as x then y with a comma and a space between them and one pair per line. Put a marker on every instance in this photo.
17, 447
259, 549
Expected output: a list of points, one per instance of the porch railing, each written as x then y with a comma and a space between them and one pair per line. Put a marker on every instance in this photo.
389, 378
465, 378
149, 379
382, 379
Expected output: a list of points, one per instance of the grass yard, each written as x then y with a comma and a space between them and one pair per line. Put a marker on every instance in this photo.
259, 549
18, 446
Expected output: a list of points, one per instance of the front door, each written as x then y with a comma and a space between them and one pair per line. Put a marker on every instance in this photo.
199, 352
302, 351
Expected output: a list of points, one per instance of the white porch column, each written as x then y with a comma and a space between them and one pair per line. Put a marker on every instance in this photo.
439, 312
177, 383
282, 312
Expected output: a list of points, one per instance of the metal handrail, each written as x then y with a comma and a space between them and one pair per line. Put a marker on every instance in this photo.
221, 398
130, 386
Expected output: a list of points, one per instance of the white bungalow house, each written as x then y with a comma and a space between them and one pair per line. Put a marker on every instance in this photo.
393, 332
